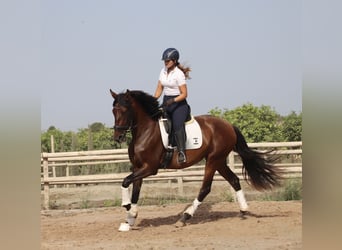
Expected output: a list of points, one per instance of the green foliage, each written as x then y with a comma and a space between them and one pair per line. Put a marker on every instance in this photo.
291, 190
96, 127
112, 203
257, 124
95, 137
262, 124
58, 137
292, 127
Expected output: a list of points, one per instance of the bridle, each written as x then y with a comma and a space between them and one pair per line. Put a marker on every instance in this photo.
125, 128
131, 124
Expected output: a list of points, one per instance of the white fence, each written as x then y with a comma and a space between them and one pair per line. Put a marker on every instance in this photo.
291, 164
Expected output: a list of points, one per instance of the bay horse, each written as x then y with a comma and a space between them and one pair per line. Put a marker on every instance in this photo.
138, 112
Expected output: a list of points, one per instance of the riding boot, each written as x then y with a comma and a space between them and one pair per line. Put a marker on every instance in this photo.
180, 141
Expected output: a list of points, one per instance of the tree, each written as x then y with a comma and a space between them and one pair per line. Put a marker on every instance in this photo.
46, 139
257, 124
96, 127
292, 127
74, 142
103, 139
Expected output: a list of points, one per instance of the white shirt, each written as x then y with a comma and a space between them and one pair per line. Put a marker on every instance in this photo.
172, 81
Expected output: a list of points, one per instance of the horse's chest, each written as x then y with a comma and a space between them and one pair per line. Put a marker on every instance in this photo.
140, 155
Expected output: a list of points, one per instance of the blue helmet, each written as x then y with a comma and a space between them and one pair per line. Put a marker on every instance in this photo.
170, 54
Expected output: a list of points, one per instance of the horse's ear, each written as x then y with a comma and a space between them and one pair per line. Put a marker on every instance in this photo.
113, 93
127, 94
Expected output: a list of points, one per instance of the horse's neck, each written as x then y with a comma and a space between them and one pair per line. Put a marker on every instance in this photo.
144, 126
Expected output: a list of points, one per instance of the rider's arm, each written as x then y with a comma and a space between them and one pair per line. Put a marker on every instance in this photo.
159, 90
183, 93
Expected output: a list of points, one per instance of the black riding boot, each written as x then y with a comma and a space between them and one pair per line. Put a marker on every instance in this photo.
180, 141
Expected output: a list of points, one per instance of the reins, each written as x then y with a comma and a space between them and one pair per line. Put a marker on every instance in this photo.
157, 113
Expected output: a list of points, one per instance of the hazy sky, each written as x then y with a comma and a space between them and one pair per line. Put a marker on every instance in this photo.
240, 52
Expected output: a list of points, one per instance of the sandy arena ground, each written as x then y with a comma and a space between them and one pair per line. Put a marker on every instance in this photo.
270, 225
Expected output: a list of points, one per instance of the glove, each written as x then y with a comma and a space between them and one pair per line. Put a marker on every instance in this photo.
169, 102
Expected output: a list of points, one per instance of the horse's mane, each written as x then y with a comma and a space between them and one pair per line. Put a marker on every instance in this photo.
148, 103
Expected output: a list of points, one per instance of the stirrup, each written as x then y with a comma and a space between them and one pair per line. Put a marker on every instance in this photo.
181, 157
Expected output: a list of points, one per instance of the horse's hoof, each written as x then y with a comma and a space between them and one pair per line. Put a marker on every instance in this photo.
185, 217
243, 212
180, 223
124, 227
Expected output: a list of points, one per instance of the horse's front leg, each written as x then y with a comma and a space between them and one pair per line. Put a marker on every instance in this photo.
131, 205
132, 209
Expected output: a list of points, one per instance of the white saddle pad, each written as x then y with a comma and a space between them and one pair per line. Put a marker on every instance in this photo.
193, 134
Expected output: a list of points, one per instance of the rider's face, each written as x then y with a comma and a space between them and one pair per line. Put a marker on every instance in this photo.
169, 63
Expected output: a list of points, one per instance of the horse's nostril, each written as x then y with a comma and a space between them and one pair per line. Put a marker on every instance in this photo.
122, 137
119, 138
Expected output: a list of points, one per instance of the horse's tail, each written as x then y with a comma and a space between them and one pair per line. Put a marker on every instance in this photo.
258, 169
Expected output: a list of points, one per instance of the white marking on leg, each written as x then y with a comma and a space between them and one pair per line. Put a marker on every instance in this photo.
242, 201
132, 214
124, 227
125, 196
192, 209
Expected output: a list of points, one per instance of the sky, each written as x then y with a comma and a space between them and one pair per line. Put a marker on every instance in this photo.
240, 52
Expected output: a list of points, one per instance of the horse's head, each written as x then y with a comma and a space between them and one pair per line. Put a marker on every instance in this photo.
123, 115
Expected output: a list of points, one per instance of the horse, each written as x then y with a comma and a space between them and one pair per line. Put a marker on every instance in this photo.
138, 112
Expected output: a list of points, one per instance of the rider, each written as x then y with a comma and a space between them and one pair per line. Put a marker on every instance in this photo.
172, 81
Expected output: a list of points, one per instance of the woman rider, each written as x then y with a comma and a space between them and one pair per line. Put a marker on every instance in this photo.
172, 81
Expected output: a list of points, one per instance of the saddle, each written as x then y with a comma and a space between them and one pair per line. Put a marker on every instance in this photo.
193, 136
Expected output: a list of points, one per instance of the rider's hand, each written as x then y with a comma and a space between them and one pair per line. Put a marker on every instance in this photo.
169, 102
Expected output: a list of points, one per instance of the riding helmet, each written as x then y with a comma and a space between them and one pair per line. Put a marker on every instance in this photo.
170, 54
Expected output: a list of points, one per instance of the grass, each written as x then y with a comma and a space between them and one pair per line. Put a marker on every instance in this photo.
291, 190
112, 203
227, 196
162, 200
84, 204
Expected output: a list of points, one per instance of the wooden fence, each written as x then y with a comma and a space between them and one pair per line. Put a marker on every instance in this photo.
291, 163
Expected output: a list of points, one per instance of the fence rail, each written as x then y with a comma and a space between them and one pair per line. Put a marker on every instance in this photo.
292, 167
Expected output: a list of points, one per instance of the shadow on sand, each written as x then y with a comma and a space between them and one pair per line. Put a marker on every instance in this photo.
204, 214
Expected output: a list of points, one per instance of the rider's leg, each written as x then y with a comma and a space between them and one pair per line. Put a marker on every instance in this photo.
180, 141
178, 119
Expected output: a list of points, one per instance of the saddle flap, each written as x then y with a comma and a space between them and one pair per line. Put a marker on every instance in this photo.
193, 133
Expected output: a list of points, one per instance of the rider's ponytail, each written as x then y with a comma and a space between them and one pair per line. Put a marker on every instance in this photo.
186, 70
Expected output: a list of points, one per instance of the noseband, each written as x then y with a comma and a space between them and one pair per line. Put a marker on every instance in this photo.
125, 128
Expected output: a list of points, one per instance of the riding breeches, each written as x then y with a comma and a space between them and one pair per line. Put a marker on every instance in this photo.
178, 112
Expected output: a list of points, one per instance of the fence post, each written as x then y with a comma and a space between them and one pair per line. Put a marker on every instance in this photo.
67, 170
52, 142
180, 184
46, 183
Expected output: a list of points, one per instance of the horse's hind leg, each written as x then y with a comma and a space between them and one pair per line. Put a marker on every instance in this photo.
234, 181
204, 191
